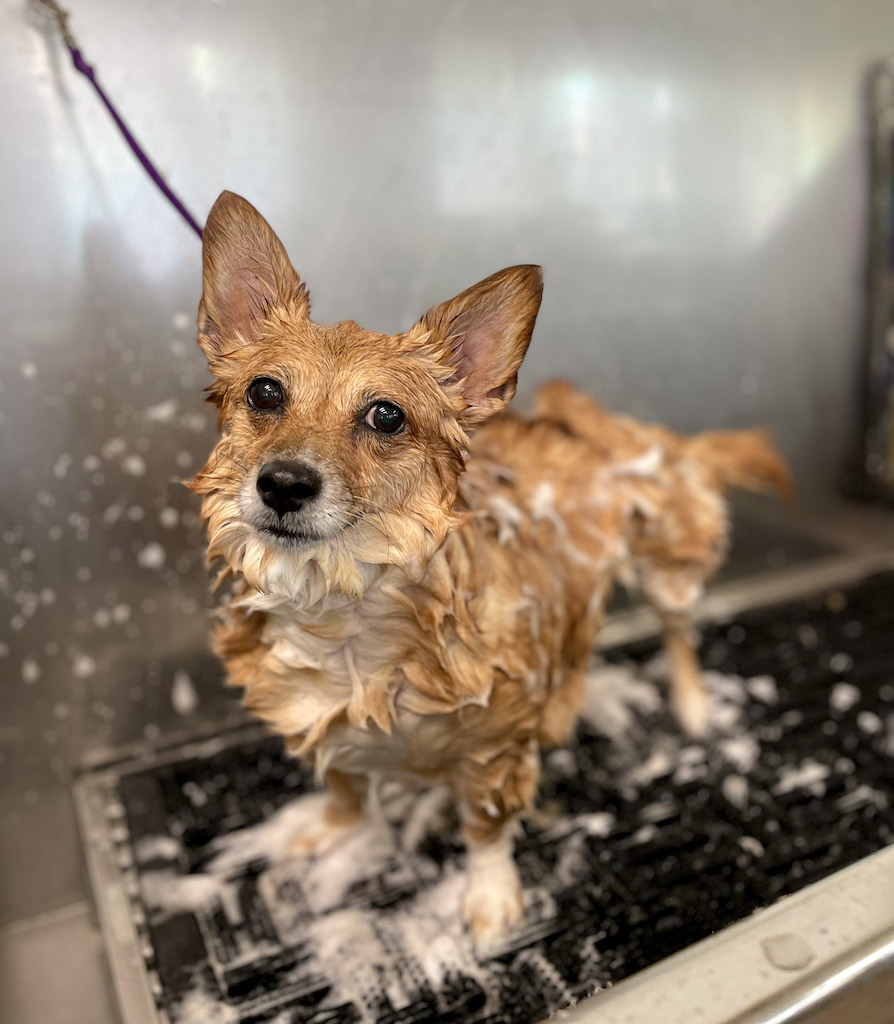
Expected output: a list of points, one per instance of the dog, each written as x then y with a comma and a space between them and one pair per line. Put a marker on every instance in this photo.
417, 576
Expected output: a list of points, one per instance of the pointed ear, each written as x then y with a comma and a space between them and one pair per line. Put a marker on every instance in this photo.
484, 333
245, 272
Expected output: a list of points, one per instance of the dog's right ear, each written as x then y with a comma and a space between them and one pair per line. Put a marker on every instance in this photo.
245, 273
482, 336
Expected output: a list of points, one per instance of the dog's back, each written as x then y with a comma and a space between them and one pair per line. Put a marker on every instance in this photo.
600, 497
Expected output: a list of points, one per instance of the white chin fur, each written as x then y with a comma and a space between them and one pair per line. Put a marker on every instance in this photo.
346, 565
296, 577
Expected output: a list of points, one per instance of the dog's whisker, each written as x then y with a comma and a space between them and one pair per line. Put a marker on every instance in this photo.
233, 459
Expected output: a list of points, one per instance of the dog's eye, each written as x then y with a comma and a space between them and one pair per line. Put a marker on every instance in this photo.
386, 417
265, 394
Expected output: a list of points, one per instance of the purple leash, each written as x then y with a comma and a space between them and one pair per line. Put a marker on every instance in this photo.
87, 71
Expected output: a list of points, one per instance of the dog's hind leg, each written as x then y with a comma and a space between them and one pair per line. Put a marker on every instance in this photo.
688, 697
672, 590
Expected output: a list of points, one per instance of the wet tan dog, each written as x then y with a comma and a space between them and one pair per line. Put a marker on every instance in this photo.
419, 576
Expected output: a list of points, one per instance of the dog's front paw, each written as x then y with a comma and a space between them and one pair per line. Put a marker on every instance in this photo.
322, 830
493, 905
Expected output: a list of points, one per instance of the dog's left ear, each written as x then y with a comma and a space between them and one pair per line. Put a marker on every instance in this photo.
245, 273
483, 334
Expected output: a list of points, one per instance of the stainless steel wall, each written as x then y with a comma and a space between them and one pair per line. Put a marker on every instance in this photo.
689, 173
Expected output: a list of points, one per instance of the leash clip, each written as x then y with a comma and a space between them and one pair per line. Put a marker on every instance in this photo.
51, 9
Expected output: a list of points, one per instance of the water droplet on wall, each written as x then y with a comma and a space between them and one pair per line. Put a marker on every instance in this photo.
135, 465
183, 693
152, 556
82, 665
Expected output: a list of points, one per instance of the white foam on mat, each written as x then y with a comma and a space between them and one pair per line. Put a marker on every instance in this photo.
199, 1006
809, 774
614, 696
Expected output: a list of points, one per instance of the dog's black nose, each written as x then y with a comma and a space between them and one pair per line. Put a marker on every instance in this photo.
288, 486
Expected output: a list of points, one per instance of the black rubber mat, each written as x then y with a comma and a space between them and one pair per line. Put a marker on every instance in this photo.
645, 843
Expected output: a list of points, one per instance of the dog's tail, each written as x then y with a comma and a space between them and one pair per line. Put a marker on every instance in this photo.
746, 459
